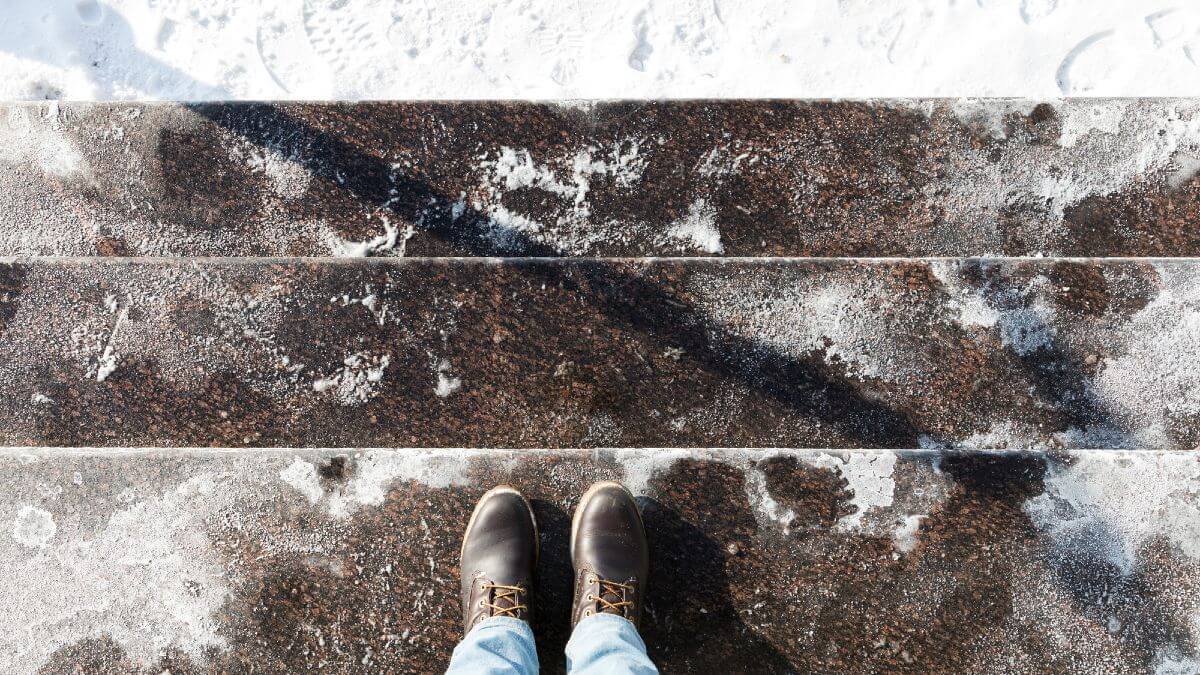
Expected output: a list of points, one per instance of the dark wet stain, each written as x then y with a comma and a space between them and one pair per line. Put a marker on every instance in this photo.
700, 515
137, 405
334, 469
12, 283
1042, 126
93, 656
1127, 223
214, 198
1079, 288
370, 599
112, 246
818, 496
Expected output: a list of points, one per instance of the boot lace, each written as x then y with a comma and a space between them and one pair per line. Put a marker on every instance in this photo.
511, 595
616, 591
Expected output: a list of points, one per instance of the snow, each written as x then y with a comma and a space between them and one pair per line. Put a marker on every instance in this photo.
563, 49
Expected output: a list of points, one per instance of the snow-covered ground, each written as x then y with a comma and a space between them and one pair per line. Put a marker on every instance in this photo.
414, 49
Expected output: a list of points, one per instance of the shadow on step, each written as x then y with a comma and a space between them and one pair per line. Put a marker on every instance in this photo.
628, 299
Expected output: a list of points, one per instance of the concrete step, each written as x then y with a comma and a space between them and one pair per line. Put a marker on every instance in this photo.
1109, 177
584, 353
763, 560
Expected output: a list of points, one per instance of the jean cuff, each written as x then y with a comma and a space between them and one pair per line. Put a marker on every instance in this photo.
504, 622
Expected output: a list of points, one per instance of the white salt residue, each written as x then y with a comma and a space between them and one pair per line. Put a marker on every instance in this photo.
698, 229
375, 471
1000, 436
1108, 436
108, 360
1171, 662
764, 504
1028, 329
825, 313
355, 382
1108, 503
242, 318
370, 301
869, 476
94, 340
35, 136
984, 115
149, 580
1156, 378
1023, 318
33, 527
511, 231
302, 476
516, 169
1104, 147
1087, 120
280, 163
289, 177
1186, 167
568, 179
1107, 146
972, 308
721, 161
626, 163
106, 364
446, 383
386, 242
904, 537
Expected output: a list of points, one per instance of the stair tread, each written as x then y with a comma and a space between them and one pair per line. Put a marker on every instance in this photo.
1022, 353
762, 560
1107, 177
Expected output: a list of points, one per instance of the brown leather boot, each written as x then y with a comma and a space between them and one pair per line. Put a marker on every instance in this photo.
499, 553
610, 554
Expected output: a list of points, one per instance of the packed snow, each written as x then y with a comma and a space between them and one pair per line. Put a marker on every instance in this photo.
466, 49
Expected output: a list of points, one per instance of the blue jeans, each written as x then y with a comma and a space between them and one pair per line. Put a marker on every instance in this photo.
600, 645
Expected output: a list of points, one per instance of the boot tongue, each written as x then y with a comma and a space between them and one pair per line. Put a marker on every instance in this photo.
507, 600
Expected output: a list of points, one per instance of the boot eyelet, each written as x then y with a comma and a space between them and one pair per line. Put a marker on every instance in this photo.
591, 597
587, 612
481, 603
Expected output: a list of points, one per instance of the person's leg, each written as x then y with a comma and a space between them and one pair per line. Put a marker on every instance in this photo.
607, 644
612, 559
499, 553
497, 645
